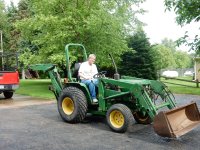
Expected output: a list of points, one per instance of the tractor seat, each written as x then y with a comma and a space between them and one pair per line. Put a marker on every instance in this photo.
75, 71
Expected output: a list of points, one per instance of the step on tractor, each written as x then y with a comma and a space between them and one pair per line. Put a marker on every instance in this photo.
9, 76
121, 99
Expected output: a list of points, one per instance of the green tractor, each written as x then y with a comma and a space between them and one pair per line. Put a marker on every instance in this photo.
120, 100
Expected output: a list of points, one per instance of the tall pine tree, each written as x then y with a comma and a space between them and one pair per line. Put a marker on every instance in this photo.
138, 62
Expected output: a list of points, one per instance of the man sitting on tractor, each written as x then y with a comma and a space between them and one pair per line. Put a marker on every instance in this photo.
86, 72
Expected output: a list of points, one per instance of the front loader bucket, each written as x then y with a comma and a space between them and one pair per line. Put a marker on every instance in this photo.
177, 122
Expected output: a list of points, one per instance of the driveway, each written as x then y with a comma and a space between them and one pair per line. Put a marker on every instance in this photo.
34, 124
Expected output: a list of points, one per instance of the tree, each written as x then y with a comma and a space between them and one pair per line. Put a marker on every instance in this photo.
162, 57
99, 25
169, 44
187, 11
12, 15
9, 15
182, 59
138, 62
2, 15
4, 24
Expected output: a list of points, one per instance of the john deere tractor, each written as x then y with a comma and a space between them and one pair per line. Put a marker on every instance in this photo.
120, 99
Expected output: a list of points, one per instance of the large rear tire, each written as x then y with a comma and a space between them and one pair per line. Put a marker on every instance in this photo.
119, 118
7, 94
72, 105
142, 118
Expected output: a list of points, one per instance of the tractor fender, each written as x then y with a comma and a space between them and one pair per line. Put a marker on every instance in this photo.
82, 87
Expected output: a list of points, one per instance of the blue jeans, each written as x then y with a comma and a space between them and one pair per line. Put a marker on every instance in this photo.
92, 86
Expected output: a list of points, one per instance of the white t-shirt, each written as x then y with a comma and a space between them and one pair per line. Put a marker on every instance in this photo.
87, 71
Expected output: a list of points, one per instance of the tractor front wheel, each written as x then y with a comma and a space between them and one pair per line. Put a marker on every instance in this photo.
8, 94
142, 118
119, 118
72, 105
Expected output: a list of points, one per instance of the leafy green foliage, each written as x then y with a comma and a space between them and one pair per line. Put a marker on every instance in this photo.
99, 25
162, 57
169, 43
194, 44
166, 57
187, 11
4, 24
182, 59
9, 15
138, 61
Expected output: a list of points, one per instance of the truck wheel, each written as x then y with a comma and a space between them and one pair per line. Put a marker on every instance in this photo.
72, 105
7, 94
119, 118
141, 118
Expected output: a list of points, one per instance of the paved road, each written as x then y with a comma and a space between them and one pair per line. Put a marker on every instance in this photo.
27, 124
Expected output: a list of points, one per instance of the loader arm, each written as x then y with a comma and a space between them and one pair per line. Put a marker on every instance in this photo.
172, 123
144, 102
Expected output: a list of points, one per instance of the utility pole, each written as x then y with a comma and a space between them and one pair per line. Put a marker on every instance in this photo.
1, 41
1, 51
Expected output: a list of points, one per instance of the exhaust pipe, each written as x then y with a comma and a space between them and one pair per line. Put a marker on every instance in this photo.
116, 75
177, 122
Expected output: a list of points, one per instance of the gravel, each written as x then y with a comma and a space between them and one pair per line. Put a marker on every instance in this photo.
39, 127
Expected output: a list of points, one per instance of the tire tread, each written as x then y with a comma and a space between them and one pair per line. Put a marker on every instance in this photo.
81, 102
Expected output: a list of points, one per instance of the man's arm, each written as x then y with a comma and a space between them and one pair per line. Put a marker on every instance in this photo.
95, 69
82, 76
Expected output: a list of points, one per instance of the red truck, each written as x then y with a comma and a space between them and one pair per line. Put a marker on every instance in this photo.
9, 76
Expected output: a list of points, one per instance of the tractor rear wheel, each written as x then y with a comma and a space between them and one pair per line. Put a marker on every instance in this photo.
72, 105
119, 118
142, 118
8, 94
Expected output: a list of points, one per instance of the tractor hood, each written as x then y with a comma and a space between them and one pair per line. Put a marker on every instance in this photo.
136, 81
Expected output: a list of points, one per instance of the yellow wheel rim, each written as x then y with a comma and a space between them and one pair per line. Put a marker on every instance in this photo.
116, 119
68, 106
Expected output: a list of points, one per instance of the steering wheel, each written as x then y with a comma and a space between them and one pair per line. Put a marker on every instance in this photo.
100, 74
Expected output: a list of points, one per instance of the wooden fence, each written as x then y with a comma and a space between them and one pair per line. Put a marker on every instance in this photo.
191, 81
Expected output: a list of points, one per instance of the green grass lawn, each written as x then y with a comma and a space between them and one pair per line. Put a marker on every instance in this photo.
39, 88
182, 87
36, 88
186, 77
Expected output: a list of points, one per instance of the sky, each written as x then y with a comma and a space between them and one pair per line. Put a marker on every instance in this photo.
14, 1
160, 23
